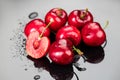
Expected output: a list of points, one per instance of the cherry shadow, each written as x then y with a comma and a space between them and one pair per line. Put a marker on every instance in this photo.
92, 54
52, 36
58, 72
40, 63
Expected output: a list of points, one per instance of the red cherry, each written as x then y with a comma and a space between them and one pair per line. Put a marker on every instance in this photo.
37, 46
93, 34
61, 52
69, 32
36, 25
79, 18
58, 17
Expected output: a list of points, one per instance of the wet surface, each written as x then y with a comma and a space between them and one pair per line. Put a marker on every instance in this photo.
57, 72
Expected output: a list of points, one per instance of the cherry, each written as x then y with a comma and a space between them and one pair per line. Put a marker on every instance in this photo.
61, 52
79, 18
37, 46
65, 38
93, 34
69, 32
36, 25
58, 16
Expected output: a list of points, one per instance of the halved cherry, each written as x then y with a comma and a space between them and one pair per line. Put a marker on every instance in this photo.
37, 46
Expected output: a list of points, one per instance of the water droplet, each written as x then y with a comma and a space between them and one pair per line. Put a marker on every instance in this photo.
77, 65
26, 69
36, 77
33, 15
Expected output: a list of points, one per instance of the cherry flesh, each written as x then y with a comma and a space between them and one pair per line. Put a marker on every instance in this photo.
36, 46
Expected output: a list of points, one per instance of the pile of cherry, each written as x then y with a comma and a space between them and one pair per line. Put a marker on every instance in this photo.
68, 30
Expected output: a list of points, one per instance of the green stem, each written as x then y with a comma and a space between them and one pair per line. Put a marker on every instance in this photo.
84, 14
59, 12
86, 10
78, 51
107, 23
45, 28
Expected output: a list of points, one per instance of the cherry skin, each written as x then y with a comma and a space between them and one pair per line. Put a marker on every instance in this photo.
58, 17
36, 25
79, 18
37, 46
61, 52
69, 32
93, 34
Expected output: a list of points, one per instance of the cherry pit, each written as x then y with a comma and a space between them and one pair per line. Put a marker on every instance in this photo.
59, 34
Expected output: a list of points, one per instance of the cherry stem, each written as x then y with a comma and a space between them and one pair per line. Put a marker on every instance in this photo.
59, 12
45, 28
84, 14
106, 25
78, 50
80, 53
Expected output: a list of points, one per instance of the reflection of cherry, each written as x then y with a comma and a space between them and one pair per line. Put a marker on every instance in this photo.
41, 63
60, 72
93, 54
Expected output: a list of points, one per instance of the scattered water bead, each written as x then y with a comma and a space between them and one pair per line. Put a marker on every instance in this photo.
77, 65
36, 77
33, 15
18, 41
